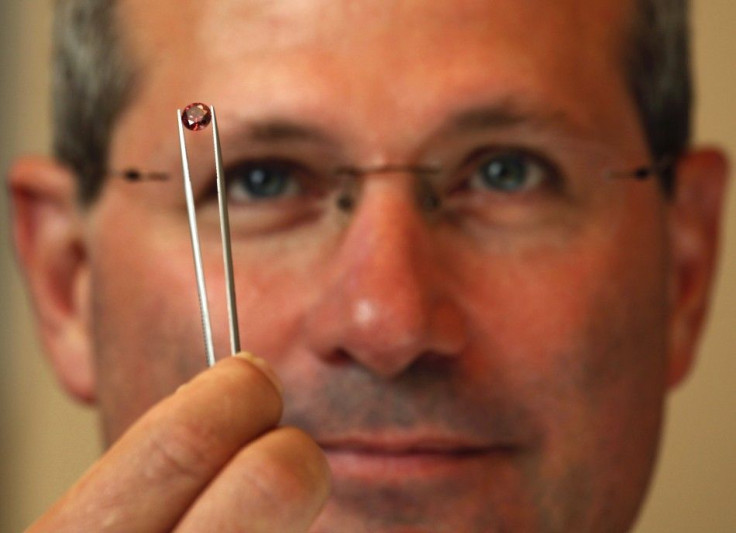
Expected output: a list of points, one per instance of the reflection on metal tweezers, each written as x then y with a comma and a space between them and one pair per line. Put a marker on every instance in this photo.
196, 117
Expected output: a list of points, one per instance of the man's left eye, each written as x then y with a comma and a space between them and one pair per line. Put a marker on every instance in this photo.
509, 172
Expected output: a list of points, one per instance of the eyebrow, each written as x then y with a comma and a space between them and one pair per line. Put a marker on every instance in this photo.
509, 114
281, 130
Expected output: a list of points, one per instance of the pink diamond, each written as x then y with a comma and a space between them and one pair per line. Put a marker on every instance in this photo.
196, 116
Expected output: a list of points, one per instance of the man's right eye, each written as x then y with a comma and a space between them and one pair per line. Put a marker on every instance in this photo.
255, 181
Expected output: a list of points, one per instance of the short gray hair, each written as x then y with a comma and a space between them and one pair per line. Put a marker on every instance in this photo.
94, 80
659, 77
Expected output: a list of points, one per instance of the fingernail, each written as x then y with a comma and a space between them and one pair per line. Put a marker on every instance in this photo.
264, 367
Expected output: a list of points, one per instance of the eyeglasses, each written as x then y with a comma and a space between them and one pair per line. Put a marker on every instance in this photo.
492, 187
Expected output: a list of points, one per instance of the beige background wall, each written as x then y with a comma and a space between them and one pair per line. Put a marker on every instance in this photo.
45, 441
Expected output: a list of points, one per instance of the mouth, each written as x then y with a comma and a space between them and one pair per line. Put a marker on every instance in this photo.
394, 461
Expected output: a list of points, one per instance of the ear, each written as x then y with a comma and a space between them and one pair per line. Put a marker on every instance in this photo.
47, 229
694, 224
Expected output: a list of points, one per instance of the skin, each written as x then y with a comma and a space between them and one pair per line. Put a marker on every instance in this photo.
455, 381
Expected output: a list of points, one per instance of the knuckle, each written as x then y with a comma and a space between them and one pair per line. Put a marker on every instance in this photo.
179, 450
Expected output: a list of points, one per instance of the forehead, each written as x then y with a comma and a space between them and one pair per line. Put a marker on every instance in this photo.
268, 24
401, 60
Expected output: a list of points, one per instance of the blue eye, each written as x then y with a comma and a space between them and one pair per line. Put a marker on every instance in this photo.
510, 172
254, 181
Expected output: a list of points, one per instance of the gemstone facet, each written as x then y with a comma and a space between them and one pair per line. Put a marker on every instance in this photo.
196, 116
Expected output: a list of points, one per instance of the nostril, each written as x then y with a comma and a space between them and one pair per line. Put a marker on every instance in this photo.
338, 357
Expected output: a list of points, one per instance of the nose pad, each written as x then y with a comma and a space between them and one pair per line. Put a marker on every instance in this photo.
428, 199
345, 202
385, 304
348, 190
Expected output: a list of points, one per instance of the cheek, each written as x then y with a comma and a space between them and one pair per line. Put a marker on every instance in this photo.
584, 338
580, 336
274, 289
147, 330
587, 308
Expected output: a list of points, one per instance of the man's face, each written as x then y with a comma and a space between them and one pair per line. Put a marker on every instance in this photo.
462, 375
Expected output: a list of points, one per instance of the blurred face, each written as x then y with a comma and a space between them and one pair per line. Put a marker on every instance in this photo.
493, 364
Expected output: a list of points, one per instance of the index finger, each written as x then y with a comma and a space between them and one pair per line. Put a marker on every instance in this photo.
149, 478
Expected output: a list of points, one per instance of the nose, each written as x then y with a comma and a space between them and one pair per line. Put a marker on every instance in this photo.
387, 302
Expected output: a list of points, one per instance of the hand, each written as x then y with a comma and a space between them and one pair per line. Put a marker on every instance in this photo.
208, 458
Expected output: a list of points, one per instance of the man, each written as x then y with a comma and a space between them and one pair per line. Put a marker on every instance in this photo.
442, 251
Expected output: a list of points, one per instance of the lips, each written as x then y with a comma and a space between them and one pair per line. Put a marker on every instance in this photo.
399, 459
404, 445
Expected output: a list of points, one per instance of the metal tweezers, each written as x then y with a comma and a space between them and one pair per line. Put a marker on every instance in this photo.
226, 246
